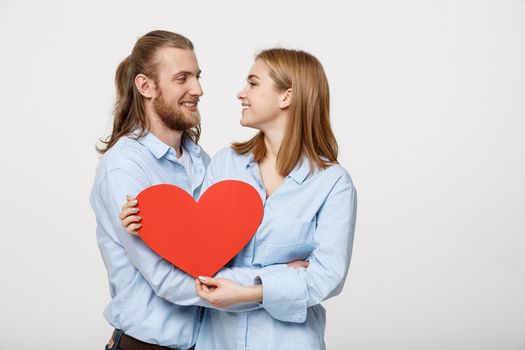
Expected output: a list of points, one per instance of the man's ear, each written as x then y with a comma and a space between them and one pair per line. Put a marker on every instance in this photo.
145, 85
286, 99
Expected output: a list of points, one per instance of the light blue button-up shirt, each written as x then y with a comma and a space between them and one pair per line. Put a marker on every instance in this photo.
148, 293
308, 217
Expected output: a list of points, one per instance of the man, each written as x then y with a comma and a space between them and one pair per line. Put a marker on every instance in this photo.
154, 140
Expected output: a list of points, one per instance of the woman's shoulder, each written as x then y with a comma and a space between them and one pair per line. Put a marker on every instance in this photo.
226, 164
228, 155
338, 173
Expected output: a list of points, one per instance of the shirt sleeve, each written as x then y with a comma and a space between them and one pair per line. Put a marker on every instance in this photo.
166, 280
287, 293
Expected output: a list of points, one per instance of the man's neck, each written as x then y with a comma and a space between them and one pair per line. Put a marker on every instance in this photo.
172, 138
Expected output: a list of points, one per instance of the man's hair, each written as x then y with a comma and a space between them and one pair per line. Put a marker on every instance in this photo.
308, 131
129, 112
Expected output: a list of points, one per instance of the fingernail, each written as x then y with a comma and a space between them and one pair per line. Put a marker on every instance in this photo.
133, 203
139, 225
134, 210
202, 279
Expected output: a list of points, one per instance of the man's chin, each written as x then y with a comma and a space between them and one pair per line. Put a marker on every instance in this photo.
193, 118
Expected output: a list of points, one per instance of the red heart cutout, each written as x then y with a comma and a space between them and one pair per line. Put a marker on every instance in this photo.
199, 237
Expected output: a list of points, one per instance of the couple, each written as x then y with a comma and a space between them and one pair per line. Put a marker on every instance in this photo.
268, 297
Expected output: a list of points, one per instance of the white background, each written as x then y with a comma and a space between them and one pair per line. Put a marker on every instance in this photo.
428, 106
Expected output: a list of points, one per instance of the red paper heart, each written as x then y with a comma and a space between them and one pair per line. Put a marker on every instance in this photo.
199, 237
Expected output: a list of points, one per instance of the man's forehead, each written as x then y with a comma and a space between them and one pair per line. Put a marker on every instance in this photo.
177, 59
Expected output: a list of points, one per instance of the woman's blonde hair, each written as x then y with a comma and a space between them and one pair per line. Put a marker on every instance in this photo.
308, 130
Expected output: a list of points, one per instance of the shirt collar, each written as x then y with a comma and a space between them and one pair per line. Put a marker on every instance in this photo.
190, 146
250, 161
301, 170
159, 148
151, 142
298, 173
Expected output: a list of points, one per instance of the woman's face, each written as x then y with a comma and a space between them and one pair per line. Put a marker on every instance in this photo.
262, 102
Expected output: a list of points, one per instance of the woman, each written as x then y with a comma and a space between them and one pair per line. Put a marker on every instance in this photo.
309, 211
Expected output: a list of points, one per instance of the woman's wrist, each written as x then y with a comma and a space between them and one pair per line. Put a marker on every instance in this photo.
253, 294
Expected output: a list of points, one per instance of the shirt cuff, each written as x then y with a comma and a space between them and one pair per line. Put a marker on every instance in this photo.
284, 296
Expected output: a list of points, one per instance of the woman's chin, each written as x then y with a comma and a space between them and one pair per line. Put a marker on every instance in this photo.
245, 123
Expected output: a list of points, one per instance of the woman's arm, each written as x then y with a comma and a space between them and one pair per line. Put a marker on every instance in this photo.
287, 293
222, 292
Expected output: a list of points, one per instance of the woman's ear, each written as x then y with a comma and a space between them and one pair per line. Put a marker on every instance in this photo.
286, 99
145, 85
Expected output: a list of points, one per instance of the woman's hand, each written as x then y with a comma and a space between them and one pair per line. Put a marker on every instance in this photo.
222, 292
128, 216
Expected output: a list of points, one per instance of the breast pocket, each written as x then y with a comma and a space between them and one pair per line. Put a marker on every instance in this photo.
284, 238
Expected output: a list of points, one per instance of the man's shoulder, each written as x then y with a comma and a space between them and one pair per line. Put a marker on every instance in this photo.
126, 154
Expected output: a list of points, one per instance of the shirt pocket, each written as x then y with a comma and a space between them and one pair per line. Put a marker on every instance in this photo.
284, 238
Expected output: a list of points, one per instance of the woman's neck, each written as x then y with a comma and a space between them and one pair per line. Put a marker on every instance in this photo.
273, 139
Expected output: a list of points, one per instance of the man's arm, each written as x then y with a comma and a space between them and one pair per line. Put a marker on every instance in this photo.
166, 280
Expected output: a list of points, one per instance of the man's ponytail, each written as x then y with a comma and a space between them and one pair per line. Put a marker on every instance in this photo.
129, 112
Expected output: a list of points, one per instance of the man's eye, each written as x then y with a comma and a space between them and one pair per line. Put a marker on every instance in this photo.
181, 80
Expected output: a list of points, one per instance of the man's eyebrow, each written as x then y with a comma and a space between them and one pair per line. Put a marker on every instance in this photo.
184, 72
251, 76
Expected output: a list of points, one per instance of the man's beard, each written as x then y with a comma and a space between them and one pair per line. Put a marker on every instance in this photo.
173, 118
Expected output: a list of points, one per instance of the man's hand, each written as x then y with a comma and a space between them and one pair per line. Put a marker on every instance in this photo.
222, 292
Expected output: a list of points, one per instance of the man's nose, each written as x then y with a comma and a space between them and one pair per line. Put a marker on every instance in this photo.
196, 89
